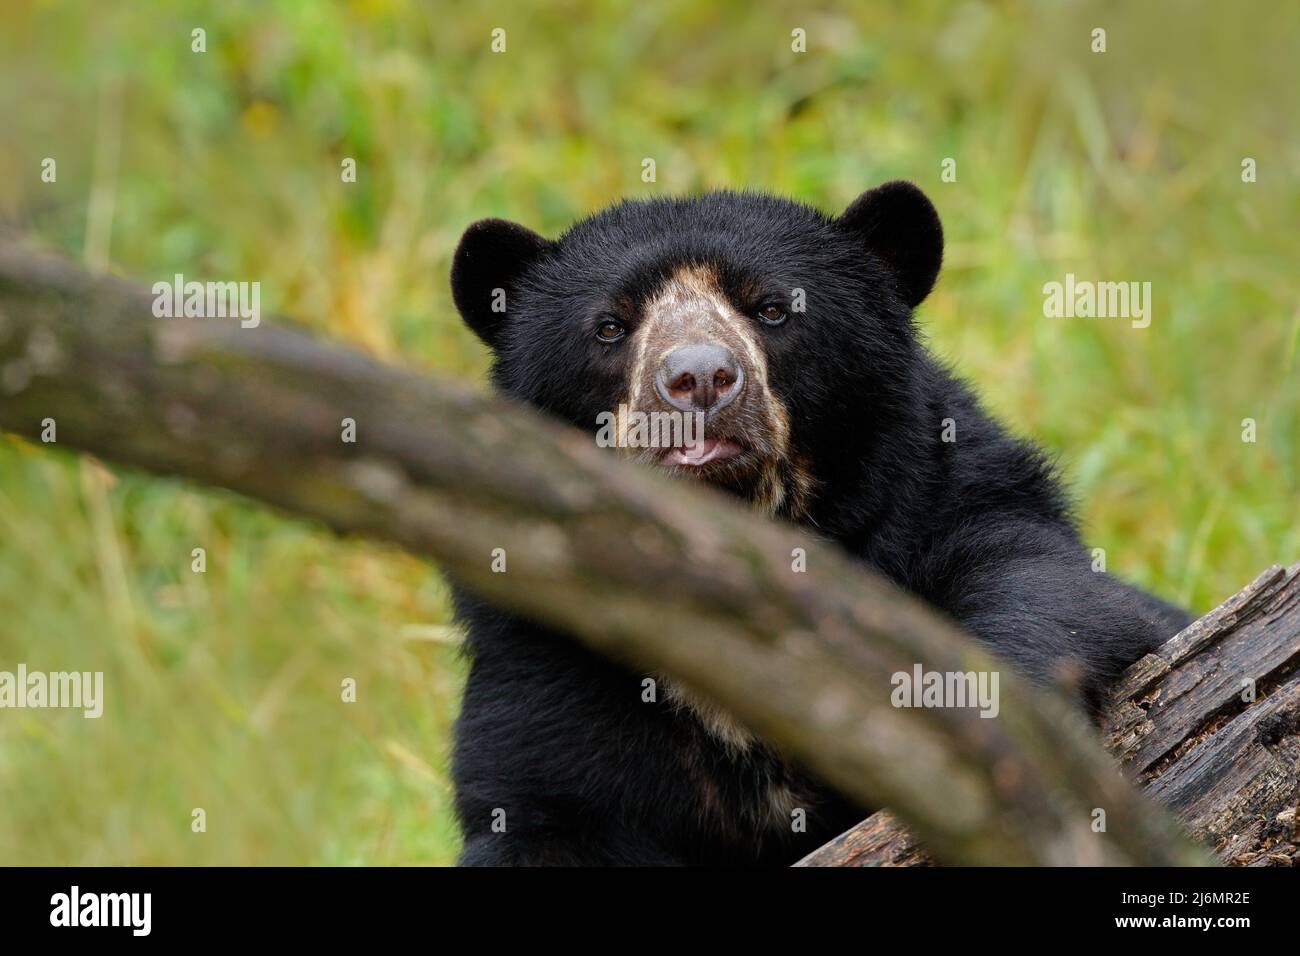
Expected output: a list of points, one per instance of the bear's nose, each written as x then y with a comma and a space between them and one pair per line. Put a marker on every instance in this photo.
704, 377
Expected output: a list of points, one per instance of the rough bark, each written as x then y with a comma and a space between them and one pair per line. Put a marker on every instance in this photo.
1209, 725
669, 577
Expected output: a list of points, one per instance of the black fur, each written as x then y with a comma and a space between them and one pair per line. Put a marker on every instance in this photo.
559, 738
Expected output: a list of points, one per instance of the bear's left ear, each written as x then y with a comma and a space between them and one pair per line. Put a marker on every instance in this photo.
899, 224
492, 254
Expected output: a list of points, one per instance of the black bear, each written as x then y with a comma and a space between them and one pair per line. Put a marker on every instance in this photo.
789, 334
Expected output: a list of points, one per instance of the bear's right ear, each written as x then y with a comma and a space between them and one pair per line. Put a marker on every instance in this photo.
491, 255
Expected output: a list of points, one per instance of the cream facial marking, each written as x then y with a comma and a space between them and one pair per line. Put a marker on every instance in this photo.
691, 309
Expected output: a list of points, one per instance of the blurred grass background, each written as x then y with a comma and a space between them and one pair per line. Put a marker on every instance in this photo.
223, 688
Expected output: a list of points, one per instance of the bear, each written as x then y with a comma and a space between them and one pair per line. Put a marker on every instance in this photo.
789, 334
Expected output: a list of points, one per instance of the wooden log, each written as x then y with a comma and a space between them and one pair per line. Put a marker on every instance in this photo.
805, 660
1209, 725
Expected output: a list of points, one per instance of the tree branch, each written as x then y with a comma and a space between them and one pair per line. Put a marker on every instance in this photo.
668, 577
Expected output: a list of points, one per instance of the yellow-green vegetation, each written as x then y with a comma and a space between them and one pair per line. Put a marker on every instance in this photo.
223, 688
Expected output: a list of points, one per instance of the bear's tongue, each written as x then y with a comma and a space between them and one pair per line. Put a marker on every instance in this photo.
696, 453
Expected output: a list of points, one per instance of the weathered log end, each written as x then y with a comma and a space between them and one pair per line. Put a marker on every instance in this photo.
879, 840
1209, 724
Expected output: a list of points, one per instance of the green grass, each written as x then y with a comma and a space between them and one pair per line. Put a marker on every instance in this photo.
223, 689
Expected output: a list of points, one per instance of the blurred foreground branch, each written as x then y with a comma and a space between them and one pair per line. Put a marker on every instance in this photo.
666, 576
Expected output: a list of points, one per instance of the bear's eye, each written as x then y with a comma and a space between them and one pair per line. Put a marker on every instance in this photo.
771, 315
610, 331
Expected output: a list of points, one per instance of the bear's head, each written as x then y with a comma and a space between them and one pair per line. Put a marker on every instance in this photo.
779, 339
